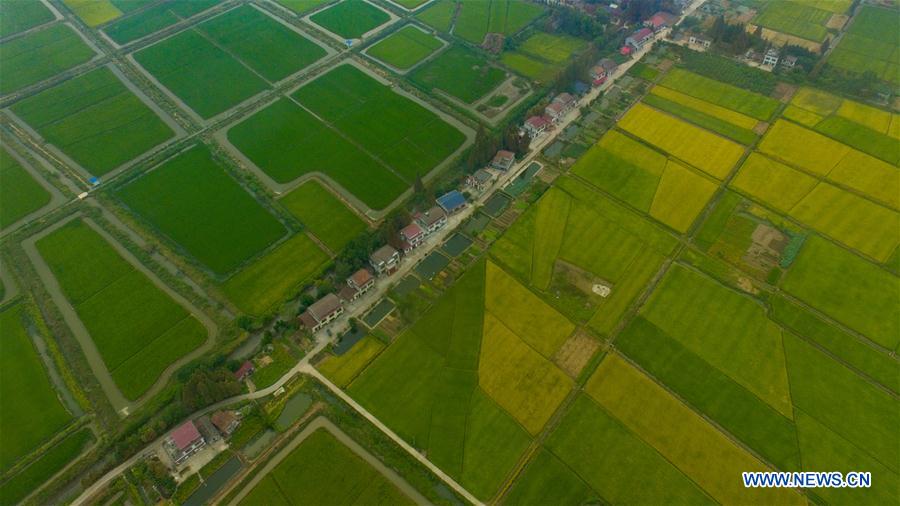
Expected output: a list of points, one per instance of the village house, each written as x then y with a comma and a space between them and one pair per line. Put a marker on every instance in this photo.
384, 260
602, 71
771, 57
411, 236
789, 61
452, 201
480, 180
208, 430
536, 125
637, 40
183, 442
358, 284
696, 40
322, 312
244, 371
557, 109
226, 421
660, 21
503, 160
432, 220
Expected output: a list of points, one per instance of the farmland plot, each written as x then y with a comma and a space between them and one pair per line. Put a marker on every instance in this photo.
476, 19
405, 135
302, 6
351, 18
473, 405
327, 218
40, 55
53, 460
31, 411
721, 94
731, 124
794, 18
227, 59
138, 329
708, 152
285, 141
864, 46
95, 120
193, 201
624, 261
20, 194
460, 72
438, 15
665, 189
542, 55
20, 16
321, 470
405, 47
156, 18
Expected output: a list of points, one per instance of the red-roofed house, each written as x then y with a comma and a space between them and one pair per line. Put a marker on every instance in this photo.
536, 125
412, 236
639, 39
245, 370
183, 442
660, 21
560, 106
225, 421
357, 284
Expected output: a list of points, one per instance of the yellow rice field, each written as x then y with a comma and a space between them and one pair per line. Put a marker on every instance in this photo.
682, 436
708, 152
681, 196
802, 147
774, 183
816, 101
528, 386
802, 116
724, 114
869, 117
877, 179
94, 12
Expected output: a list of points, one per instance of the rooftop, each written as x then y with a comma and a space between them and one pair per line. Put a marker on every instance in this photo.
411, 231
432, 216
361, 277
383, 254
451, 201
323, 307
185, 434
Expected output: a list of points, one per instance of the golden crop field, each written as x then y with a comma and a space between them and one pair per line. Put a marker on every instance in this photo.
681, 435
817, 101
772, 182
633, 151
708, 152
681, 196
94, 12
802, 116
528, 386
869, 117
801, 147
716, 111
857, 222
869, 175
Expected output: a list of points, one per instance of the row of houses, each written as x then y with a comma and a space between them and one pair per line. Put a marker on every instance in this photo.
643, 36
190, 437
384, 261
554, 113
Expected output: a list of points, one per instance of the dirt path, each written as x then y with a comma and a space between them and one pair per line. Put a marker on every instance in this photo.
323, 423
121, 404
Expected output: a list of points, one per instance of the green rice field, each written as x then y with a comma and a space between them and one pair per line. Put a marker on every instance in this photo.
306, 145
275, 276
322, 470
40, 55
30, 411
438, 15
794, 18
20, 194
20, 16
864, 47
405, 47
154, 19
302, 6
475, 19
721, 94
192, 200
327, 217
227, 59
542, 55
848, 289
460, 72
411, 139
137, 328
95, 120
44, 467
350, 19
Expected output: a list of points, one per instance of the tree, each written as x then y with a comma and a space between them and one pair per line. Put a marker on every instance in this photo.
206, 387
482, 151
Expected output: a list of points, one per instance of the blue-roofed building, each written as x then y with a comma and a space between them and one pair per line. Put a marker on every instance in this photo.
451, 201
